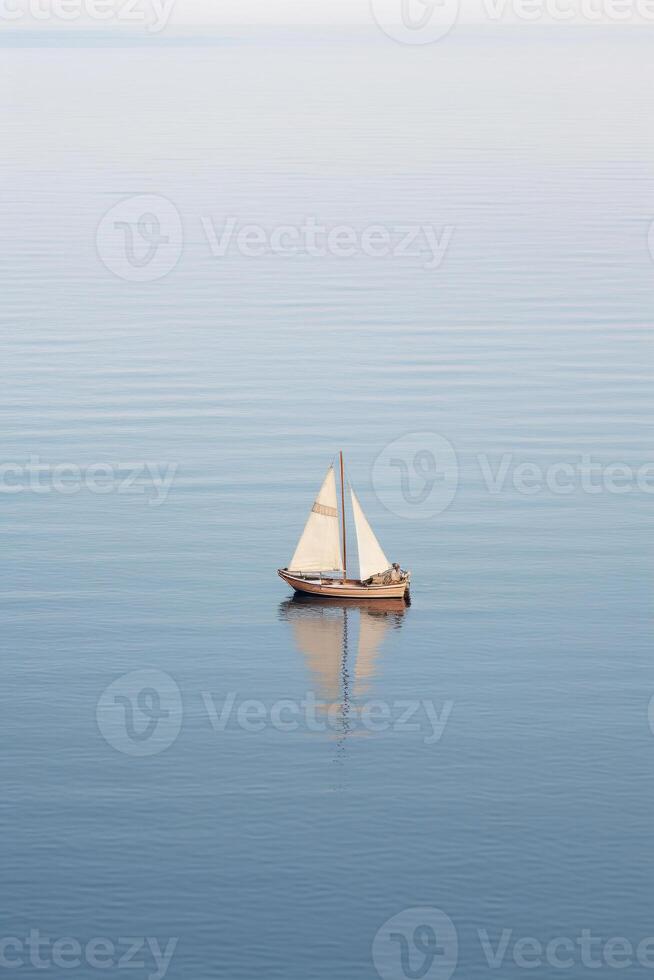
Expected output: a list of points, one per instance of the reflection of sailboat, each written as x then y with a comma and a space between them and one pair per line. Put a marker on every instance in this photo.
318, 553
324, 630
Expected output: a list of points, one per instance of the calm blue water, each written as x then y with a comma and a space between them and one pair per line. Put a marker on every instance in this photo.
281, 853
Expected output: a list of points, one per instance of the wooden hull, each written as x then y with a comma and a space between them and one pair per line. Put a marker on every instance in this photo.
300, 600
350, 589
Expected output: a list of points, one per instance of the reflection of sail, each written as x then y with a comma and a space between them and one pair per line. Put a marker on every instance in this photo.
372, 630
319, 636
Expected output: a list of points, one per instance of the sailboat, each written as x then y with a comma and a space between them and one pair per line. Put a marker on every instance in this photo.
319, 568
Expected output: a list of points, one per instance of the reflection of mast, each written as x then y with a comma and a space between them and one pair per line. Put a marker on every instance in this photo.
345, 702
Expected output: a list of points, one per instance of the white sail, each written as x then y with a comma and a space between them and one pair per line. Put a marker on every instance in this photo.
371, 558
319, 547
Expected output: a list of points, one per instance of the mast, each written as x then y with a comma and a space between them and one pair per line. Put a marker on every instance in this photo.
343, 518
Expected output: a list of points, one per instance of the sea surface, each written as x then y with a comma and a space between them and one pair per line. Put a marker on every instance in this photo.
189, 755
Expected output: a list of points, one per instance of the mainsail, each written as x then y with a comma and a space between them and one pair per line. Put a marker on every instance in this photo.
371, 558
319, 547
